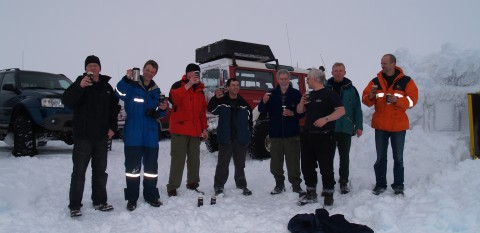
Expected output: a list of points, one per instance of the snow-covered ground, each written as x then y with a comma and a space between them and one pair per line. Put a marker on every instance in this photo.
441, 182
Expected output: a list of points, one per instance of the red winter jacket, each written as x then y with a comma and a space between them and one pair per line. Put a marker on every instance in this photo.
189, 109
391, 117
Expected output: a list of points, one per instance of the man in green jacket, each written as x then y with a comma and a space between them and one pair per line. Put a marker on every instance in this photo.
349, 124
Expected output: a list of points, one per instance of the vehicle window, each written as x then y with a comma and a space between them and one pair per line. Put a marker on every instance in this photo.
35, 80
294, 81
250, 79
9, 78
211, 78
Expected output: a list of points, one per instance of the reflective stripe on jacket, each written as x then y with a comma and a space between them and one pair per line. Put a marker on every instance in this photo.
140, 129
391, 116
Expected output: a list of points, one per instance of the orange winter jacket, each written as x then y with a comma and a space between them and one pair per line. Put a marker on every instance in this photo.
189, 109
391, 116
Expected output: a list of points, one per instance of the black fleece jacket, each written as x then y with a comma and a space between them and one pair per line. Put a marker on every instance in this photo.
95, 108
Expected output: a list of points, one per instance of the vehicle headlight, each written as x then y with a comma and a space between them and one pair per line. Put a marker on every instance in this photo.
52, 103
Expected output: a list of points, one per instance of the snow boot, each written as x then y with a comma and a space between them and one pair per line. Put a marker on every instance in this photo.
378, 190
309, 198
328, 199
344, 188
279, 188
131, 205
246, 192
155, 203
75, 213
103, 207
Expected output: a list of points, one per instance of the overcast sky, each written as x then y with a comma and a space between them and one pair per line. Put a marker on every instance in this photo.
57, 35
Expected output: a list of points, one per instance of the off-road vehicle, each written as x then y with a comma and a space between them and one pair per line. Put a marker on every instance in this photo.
255, 66
31, 110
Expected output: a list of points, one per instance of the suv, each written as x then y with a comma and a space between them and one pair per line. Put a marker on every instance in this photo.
250, 64
31, 110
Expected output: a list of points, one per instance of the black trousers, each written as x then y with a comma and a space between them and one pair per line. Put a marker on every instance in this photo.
225, 153
83, 151
318, 148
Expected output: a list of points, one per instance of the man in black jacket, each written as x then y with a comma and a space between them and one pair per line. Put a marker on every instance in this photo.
95, 109
234, 123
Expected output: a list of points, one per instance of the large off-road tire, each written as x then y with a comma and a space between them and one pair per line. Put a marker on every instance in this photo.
24, 141
259, 147
211, 142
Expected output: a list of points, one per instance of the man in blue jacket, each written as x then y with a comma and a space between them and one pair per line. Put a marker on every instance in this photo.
284, 130
349, 124
233, 133
143, 110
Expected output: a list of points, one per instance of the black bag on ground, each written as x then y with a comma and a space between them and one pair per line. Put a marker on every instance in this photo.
321, 222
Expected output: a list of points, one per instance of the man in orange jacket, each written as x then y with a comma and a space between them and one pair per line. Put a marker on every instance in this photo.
392, 93
188, 122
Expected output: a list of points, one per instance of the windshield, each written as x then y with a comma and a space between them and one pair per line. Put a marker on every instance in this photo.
34, 80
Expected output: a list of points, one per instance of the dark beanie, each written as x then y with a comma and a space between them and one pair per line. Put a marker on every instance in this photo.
192, 67
92, 59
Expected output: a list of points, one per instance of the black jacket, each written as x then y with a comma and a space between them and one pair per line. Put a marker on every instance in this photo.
235, 119
281, 126
321, 222
95, 108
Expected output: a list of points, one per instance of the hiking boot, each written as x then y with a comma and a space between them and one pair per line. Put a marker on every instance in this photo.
131, 205
246, 192
172, 193
219, 192
378, 190
278, 189
155, 203
328, 199
344, 188
75, 212
398, 191
103, 207
192, 186
308, 198
323, 193
297, 189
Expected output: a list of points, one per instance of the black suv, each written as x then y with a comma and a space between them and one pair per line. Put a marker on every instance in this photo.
31, 110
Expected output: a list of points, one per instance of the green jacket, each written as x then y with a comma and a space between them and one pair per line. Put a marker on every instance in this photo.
353, 118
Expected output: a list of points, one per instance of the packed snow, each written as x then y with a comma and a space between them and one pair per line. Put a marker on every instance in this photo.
441, 179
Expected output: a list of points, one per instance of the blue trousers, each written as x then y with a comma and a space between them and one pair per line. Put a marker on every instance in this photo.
134, 156
381, 142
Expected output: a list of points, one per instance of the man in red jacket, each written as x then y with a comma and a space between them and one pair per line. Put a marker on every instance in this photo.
188, 123
392, 93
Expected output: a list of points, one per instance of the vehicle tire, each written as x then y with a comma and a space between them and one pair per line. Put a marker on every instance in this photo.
211, 142
259, 147
24, 141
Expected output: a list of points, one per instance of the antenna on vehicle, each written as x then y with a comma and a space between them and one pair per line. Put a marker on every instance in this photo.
289, 49
323, 62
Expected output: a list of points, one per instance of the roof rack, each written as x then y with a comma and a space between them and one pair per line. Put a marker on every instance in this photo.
235, 50
9, 69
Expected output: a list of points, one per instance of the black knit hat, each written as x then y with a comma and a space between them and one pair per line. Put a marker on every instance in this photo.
92, 59
192, 67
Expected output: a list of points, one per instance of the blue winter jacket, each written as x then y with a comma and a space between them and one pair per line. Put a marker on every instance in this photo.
140, 129
353, 118
282, 126
224, 107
